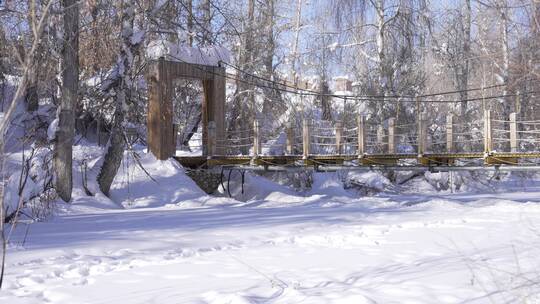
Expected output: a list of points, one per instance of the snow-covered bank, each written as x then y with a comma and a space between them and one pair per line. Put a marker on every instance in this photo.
325, 246
160, 239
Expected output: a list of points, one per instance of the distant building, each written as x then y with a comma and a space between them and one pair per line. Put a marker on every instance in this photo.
342, 83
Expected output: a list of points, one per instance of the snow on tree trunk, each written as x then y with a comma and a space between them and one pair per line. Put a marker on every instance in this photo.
121, 87
66, 118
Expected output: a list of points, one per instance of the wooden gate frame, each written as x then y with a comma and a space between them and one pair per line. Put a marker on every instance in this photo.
160, 77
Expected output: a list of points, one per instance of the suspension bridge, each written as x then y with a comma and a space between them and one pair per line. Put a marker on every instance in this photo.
353, 143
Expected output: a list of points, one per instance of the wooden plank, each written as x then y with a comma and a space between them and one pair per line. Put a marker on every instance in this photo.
218, 106
208, 96
189, 70
371, 161
159, 120
213, 108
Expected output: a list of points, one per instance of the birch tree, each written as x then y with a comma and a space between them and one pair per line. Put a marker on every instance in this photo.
120, 86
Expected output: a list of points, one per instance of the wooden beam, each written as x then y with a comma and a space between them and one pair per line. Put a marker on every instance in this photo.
213, 107
188, 70
159, 119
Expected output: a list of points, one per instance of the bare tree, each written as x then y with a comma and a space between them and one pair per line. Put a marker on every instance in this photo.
37, 26
121, 85
63, 151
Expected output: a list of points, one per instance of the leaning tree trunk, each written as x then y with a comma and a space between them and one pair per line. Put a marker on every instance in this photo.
66, 119
117, 144
121, 86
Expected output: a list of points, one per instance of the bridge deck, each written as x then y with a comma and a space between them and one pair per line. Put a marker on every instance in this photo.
474, 161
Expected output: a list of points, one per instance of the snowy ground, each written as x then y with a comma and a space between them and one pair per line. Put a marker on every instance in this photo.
324, 246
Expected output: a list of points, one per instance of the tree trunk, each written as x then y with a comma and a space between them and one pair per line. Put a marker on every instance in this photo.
296, 41
115, 152
506, 57
464, 75
325, 100
243, 97
206, 40
382, 78
273, 102
207, 31
190, 22
66, 119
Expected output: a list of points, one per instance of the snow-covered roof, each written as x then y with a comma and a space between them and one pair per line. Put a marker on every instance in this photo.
210, 55
341, 77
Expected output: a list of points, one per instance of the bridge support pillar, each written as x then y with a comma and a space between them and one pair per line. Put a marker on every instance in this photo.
160, 76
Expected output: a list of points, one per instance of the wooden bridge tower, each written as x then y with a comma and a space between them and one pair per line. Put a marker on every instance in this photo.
160, 77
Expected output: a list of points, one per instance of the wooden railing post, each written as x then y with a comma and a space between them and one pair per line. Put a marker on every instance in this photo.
256, 139
391, 136
513, 133
211, 149
305, 139
422, 135
380, 138
290, 139
339, 134
488, 143
449, 133
361, 136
